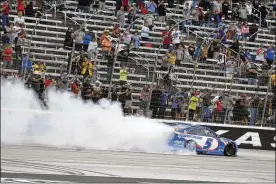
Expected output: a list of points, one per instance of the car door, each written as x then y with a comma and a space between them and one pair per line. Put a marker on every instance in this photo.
209, 140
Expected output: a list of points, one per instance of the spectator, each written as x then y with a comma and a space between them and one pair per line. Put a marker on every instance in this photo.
87, 68
270, 55
235, 47
5, 13
94, 71
21, 5
75, 87
78, 36
161, 10
105, 34
192, 107
84, 6
179, 56
217, 10
7, 57
172, 58
121, 17
165, 63
230, 68
204, 53
135, 41
260, 54
225, 9
101, 4
129, 98
149, 20
253, 29
151, 6
218, 111
92, 49
191, 49
27, 65
264, 13
130, 18
125, 5
68, 41
114, 94
110, 63
135, 10
39, 67
19, 19
144, 99
249, 8
243, 13
86, 40
145, 32
175, 36
245, 31
96, 91
21, 41
251, 74
123, 76
116, 31
265, 74
37, 83
29, 11
106, 46
253, 110
163, 104
206, 103
127, 39
186, 15
167, 37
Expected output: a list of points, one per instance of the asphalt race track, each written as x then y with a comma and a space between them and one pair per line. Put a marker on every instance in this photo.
38, 164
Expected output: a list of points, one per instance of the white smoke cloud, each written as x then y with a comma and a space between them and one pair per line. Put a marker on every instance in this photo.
70, 122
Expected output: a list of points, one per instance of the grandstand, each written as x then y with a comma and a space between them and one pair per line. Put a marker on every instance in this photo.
193, 74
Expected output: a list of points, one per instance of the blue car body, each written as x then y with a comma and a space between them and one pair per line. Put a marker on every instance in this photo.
202, 140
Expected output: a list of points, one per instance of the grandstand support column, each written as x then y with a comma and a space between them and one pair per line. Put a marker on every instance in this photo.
267, 93
117, 52
156, 60
33, 31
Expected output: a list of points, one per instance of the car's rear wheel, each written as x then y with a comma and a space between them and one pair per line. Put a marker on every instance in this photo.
191, 146
229, 150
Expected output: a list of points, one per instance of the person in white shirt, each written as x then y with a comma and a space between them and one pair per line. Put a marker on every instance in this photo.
19, 19
92, 49
249, 8
175, 36
145, 32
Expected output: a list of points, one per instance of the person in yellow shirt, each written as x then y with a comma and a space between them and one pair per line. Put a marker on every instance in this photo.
172, 58
39, 67
192, 107
87, 68
273, 79
123, 76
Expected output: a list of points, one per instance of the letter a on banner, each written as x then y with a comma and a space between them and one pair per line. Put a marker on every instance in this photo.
254, 136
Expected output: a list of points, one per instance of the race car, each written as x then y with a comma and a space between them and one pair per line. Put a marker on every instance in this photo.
201, 140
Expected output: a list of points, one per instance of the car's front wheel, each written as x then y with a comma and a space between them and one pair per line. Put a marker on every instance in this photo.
191, 146
229, 150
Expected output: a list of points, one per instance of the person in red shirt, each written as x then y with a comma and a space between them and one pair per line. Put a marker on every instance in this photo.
7, 57
218, 110
75, 88
5, 14
21, 5
167, 38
